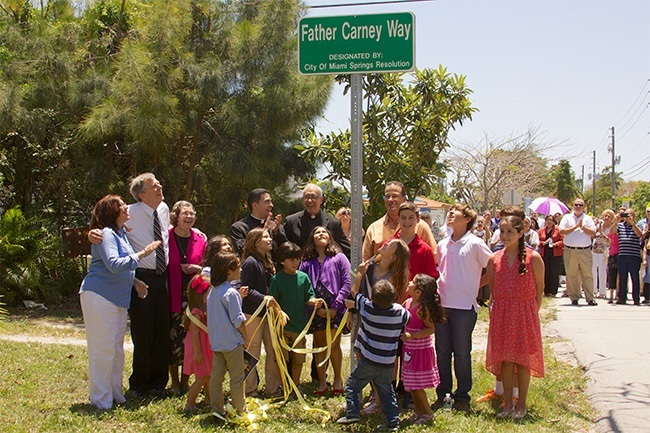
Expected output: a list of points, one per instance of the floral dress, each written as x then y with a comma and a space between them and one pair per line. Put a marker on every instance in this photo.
514, 334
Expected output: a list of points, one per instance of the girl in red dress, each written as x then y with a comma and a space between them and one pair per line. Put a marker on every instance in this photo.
198, 354
516, 277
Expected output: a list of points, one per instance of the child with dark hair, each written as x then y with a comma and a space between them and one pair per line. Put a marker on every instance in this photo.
516, 276
227, 332
292, 290
419, 369
382, 322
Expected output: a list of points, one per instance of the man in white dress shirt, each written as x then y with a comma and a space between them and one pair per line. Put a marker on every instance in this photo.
578, 229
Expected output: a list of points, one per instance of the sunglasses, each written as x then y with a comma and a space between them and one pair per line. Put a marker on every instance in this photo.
578, 204
345, 212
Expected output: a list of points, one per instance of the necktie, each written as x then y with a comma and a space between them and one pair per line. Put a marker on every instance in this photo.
160, 251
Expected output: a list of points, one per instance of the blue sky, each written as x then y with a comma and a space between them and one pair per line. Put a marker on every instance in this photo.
573, 68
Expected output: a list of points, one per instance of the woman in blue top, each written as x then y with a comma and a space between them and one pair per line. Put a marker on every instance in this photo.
105, 297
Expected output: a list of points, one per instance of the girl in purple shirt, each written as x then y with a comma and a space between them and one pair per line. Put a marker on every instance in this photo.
329, 271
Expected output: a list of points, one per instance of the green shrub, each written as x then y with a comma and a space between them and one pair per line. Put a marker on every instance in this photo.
31, 263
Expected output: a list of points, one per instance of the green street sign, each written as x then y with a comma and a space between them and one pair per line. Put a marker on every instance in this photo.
357, 44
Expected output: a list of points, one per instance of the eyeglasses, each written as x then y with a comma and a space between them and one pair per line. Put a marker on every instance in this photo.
578, 204
310, 197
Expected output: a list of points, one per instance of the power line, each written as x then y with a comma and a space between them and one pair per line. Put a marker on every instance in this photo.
637, 119
634, 167
639, 169
628, 110
639, 145
370, 3
602, 147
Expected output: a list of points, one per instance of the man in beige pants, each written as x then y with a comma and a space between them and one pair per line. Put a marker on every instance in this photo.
578, 229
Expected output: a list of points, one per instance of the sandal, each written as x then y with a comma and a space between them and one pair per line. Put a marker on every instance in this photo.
505, 413
338, 391
424, 419
519, 414
322, 392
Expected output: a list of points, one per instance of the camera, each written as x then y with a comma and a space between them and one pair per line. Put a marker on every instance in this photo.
625, 215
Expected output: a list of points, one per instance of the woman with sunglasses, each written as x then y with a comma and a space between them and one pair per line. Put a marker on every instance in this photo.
344, 215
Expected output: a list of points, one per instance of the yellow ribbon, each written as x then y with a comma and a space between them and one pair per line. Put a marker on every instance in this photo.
257, 408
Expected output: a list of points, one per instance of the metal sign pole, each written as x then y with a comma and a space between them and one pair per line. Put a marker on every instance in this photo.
356, 182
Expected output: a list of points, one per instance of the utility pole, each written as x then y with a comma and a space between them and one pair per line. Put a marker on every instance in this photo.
613, 149
582, 180
593, 206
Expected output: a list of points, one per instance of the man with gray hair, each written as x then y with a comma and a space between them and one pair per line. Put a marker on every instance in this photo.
299, 225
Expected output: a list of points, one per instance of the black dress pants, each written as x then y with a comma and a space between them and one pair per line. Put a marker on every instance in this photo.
150, 333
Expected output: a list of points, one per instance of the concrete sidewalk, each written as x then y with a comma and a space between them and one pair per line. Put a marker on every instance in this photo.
611, 342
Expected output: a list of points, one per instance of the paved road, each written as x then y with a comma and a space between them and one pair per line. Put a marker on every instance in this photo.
612, 343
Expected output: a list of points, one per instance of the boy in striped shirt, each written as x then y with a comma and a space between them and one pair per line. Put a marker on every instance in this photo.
382, 322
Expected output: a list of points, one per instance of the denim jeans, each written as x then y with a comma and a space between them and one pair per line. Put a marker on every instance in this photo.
362, 375
629, 265
455, 337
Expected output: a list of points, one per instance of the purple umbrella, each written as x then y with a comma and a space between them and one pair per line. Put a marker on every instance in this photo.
548, 206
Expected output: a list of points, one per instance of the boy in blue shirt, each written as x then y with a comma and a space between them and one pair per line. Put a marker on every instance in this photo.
381, 323
227, 332
293, 291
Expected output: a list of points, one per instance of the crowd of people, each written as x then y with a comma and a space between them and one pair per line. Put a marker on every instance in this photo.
199, 303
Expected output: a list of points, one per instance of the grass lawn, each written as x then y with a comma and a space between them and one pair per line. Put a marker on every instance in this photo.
44, 389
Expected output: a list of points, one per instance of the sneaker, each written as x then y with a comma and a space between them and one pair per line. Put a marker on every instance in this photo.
388, 428
592, 303
490, 395
345, 420
424, 419
461, 406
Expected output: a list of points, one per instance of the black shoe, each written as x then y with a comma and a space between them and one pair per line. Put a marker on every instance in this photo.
407, 401
159, 393
637, 303
592, 303
621, 302
646, 301
138, 395
437, 405
574, 302
461, 406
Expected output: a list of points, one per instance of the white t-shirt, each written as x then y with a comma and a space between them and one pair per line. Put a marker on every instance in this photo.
533, 238
577, 238
460, 264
